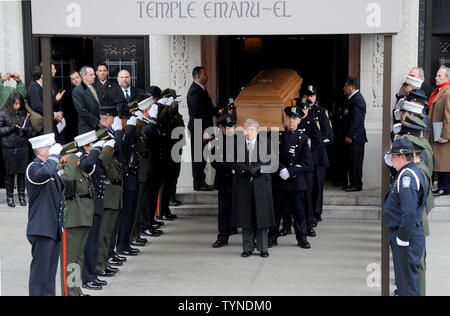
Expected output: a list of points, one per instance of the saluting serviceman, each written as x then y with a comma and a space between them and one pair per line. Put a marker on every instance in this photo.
45, 214
289, 183
79, 213
403, 211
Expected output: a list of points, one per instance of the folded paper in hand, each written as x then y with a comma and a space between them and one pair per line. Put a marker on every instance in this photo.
61, 125
437, 130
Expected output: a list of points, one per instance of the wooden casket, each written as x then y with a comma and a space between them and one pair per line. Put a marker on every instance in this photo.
265, 97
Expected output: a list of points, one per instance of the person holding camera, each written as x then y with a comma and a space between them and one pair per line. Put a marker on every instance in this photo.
6, 91
15, 129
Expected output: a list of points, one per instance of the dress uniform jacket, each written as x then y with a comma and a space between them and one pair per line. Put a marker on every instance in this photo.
245, 185
223, 180
295, 156
309, 127
113, 179
427, 153
155, 142
46, 199
79, 204
323, 123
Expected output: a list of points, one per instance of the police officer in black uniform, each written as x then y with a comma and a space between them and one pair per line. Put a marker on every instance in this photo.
289, 183
223, 181
403, 209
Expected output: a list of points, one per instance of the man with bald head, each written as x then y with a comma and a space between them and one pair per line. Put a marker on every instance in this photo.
123, 94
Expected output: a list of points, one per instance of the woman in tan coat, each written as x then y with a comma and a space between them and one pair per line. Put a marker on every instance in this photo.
440, 112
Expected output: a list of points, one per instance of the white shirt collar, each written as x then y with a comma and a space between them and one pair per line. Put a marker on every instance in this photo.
200, 85
39, 83
125, 91
353, 94
103, 81
252, 141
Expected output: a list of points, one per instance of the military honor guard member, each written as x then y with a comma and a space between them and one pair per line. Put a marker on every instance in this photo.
403, 211
45, 214
223, 181
252, 205
289, 183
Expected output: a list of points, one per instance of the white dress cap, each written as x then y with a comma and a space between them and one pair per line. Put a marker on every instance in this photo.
412, 81
86, 139
412, 107
42, 141
144, 105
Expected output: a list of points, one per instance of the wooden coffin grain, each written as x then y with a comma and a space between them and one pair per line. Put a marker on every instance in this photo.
265, 97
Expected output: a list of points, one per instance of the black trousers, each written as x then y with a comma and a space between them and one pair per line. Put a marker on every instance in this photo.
125, 219
295, 201
150, 201
45, 253
224, 219
91, 251
9, 183
444, 181
320, 174
354, 154
113, 240
198, 167
166, 192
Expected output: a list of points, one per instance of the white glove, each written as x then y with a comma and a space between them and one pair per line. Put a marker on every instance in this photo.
110, 143
397, 115
117, 125
139, 116
154, 111
170, 101
402, 243
100, 143
326, 141
132, 121
55, 149
163, 101
388, 161
284, 174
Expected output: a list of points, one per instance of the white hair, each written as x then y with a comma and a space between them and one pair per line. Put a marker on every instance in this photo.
251, 122
421, 72
447, 70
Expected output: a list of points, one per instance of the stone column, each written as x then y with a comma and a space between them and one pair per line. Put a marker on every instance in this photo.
11, 39
405, 52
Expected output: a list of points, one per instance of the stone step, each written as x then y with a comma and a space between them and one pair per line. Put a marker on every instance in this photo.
329, 212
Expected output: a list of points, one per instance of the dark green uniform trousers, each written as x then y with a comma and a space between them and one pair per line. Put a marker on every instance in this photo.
136, 229
106, 230
71, 258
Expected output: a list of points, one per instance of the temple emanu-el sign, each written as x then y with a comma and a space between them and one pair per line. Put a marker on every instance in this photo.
219, 17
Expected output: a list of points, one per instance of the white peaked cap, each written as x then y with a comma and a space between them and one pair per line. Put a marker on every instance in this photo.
412, 81
144, 105
42, 141
412, 107
86, 139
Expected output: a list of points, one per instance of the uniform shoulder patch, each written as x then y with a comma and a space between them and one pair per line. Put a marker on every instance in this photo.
406, 182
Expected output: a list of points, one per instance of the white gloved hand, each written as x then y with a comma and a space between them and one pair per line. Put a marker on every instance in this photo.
284, 174
402, 243
163, 101
154, 111
132, 121
397, 115
139, 116
110, 143
388, 161
326, 141
100, 143
170, 101
117, 125
55, 149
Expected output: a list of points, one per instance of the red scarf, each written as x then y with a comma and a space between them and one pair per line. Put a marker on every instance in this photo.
436, 92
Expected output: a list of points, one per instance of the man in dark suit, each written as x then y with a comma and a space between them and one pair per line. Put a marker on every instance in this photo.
252, 200
86, 102
45, 215
200, 108
103, 84
122, 94
354, 114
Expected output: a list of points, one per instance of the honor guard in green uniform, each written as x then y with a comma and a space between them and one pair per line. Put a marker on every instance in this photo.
79, 213
111, 159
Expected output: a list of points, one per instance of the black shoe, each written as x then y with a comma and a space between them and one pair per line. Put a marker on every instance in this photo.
10, 201
285, 232
204, 188
165, 218
92, 286
264, 254
82, 294
137, 243
273, 243
115, 262
220, 244
22, 200
127, 253
101, 282
120, 258
105, 274
304, 244
157, 224
311, 233
112, 269
436, 193
246, 254
174, 202
144, 240
151, 233
353, 189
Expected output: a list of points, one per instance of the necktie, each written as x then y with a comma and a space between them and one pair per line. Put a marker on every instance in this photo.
94, 93
127, 96
250, 151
